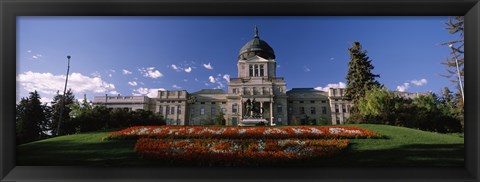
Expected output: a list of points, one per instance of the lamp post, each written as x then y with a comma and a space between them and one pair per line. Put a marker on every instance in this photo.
63, 98
458, 72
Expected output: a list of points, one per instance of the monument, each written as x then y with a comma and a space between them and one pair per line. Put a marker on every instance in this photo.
253, 115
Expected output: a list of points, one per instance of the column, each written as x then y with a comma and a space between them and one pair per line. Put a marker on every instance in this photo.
241, 110
261, 106
271, 113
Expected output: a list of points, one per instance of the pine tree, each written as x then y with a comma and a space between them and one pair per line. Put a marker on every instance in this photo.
30, 117
57, 103
455, 26
359, 77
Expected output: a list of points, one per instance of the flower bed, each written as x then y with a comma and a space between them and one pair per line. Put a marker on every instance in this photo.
181, 132
237, 151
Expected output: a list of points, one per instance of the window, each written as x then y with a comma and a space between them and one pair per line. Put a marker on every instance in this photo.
334, 92
202, 102
324, 110
338, 119
344, 109
192, 111
213, 111
312, 110
234, 108
279, 121
172, 110
290, 110
324, 101
290, 102
251, 70
256, 70
213, 102
224, 110
341, 92
336, 99
302, 110
179, 109
202, 111
301, 102
168, 110
160, 110
234, 121
261, 70
279, 108
336, 108
312, 101
179, 101
224, 102
348, 108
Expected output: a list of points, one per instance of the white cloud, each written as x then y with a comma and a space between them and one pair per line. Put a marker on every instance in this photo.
37, 56
48, 101
332, 85
176, 87
96, 74
47, 83
220, 85
29, 51
196, 79
211, 79
208, 66
402, 88
226, 77
331, 59
114, 92
185, 80
174, 67
306, 69
126, 72
134, 83
419, 82
188, 70
150, 72
150, 92
110, 75
278, 66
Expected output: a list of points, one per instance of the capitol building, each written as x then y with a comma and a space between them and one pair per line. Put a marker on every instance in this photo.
256, 86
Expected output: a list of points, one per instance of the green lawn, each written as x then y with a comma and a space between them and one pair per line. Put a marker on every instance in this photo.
402, 147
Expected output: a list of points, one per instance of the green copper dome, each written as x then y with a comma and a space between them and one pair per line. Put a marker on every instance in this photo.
256, 47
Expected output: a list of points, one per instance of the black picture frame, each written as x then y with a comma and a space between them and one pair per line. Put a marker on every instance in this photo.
10, 9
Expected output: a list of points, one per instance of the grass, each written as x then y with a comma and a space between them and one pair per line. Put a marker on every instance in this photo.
402, 147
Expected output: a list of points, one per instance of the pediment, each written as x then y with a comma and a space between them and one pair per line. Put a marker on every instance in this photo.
257, 59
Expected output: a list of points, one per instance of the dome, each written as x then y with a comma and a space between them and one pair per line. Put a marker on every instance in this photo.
256, 47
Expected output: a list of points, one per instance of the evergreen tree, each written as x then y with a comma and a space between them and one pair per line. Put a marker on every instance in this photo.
359, 77
57, 104
455, 26
220, 118
30, 117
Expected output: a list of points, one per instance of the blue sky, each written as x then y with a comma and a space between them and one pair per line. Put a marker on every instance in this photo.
139, 55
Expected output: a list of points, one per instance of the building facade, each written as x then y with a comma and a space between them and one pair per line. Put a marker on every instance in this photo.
256, 81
